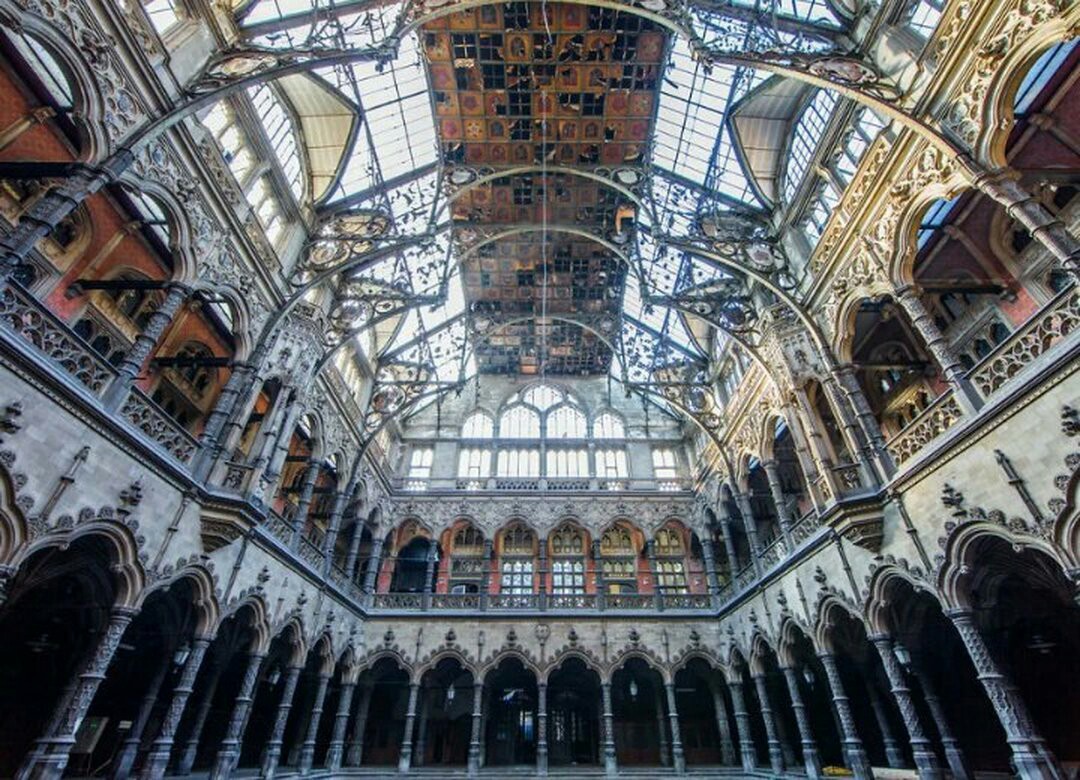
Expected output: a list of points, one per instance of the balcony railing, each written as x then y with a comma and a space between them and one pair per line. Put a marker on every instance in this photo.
542, 485
541, 602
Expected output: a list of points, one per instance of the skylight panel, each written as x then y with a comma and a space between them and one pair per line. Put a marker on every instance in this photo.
807, 137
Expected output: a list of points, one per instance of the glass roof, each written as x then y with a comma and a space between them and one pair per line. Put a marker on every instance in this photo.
395, 166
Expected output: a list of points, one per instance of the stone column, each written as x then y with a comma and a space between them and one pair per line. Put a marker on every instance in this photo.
678, 757
661, 730
336, 751
477, 720
743, 500
50, 754
776, 488
541, 729
893, 756
1026, 209
303, 503
145, 343
191, 747
807, 465
354, 754
871, 429
858, 763
333, 526
273, 746
212, 440
598, 573
54, 206
955, 757
353, 555
371, 576
1031, 755
776, 755
158, 760
729, 540
607, 747
926, 760
229, 753
710, 566
485, 573
938, 346
307, 752
723, 728
542, 566
650, 554
821, 450
125, 760
280, 451
429, 574
405, 760
742, 724
422, 709
811, 757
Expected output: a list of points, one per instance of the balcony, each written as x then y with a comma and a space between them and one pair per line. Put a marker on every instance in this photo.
542, 485
496, 603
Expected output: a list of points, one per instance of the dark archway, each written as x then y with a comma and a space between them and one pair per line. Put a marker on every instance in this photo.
573, 724
268, 692
697, 713
385, 726
412, 566
510, 737
641, 730
445, 715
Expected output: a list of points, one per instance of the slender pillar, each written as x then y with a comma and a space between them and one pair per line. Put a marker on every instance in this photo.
336, 751
273, 748
955, 757
710, 566
661, 730
303, 503
125, 760
776, 755
307, 752
723, 728
1031, 755
728, 537
678, 757
156, 325
50, 754
926, 760
858, 763
422, 711
542, 565
743, 500
212, 440
938, 346
485, 574
371, 576
229, 753
268, 480
541, 729
598, 573
650, 554
158, 760
354, 754
477, 720
429, 574
611, 766
776, 489
191, 747
405, 759
879, 453
353, 555
333, 526
742, 724
893, 755
811, 757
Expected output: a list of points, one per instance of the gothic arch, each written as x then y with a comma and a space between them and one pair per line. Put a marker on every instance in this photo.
791, 629
324, 647
443, 653
882, 582
367, 663
695, 654
736, 662
183, 244
1067, 519
562, 656
1018, 52
646, 656
260, 621
760, 647
960, 556
505, 654
844, 324
905, 242
827, 610
203, 587
13, 528
294, 626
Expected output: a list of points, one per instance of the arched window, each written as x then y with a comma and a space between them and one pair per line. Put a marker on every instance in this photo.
474, 463
516, 566
618, 560
568, 560
665, 464
611, 464
609, 426
478, 425
670, 561
194, 370
566, 422
543, 397
519, 422
135, 304
281, 133
466, 560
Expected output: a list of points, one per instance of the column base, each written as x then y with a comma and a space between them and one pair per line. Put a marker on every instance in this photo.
187, 760
225, 762
611, 764
474, 760
812, 761
1035, 762
48, 760
541, 761
307, 758
679, 761
958, 765
157, 763
926, 763
776, 760
270, 762
334, 754
405, 761
858, 763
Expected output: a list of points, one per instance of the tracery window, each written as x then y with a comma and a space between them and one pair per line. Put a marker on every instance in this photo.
519, 422
419, 468
518, 463
807, 138
543, 397
609, 426
566, 422
478, 425
466, 560
665, 464
474, 463
281, 134
197, 375
611, 464
135, 304
518, 550
618, 561
568, 560
670, 561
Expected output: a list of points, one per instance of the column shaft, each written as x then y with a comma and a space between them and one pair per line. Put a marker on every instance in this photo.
158, 760
776, 755
273, 747
723, 728
893, 755
678, 757
307, 752
229, 753
858, 763
191, 746
611, 766
405, 759
742, 725
955, 757
541, 730
926, 760
354, 754
811, 757
336, 751
477, 719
